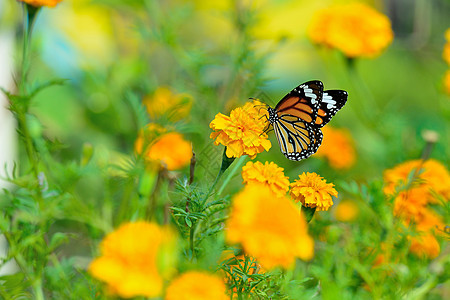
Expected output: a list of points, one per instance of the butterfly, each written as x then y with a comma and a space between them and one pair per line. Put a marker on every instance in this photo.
298, 117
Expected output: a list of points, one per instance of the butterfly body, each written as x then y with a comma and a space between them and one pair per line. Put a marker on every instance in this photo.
298, 117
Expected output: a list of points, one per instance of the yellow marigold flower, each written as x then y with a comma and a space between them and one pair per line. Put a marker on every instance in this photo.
165, 103
313, 191
135, 258
346, 211
337, 147
269, 228
196, 285
50, 3
242, 132
432, 175
447, 82
169, 149
356, 29
446, 52
268, 174
425, 245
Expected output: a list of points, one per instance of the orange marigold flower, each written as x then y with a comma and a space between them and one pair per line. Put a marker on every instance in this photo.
356, 29
430, 221
432, 176
242, 132
268, 174
313, 191
49, 3
172, 150
135, 258
346, 211
196, 285
425, 245
165, 103
446, 52
410, 204
337, 147
169, 149
269, 228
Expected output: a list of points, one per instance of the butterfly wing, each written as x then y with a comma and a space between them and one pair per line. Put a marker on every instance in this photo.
297, 139
332, 102
302, 102
298, 117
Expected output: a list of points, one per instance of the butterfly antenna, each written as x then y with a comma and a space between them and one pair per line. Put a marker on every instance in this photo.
263, 95
268, 129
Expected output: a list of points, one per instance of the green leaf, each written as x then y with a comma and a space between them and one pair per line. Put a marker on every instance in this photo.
182, 211
57, 240
309, 213
188, 222
42, 86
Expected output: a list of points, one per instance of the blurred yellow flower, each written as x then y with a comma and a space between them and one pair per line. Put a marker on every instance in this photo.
430, 221
165, 103
346, 211
135, 258
410, 204
147, 135
280, 19
447, 82
425, 245
313, 191
268, 174
446, 52
50, 3
242, 132
356, 29
168, 149
195, 285
93, 37
337, 147
172, 150
432, 175
269, 228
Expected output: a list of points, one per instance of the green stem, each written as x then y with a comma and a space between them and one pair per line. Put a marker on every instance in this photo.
424, 289
230, 175
37, 287
226, 162
191, 238
28, 143
214, 183
31, 13
367, 277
